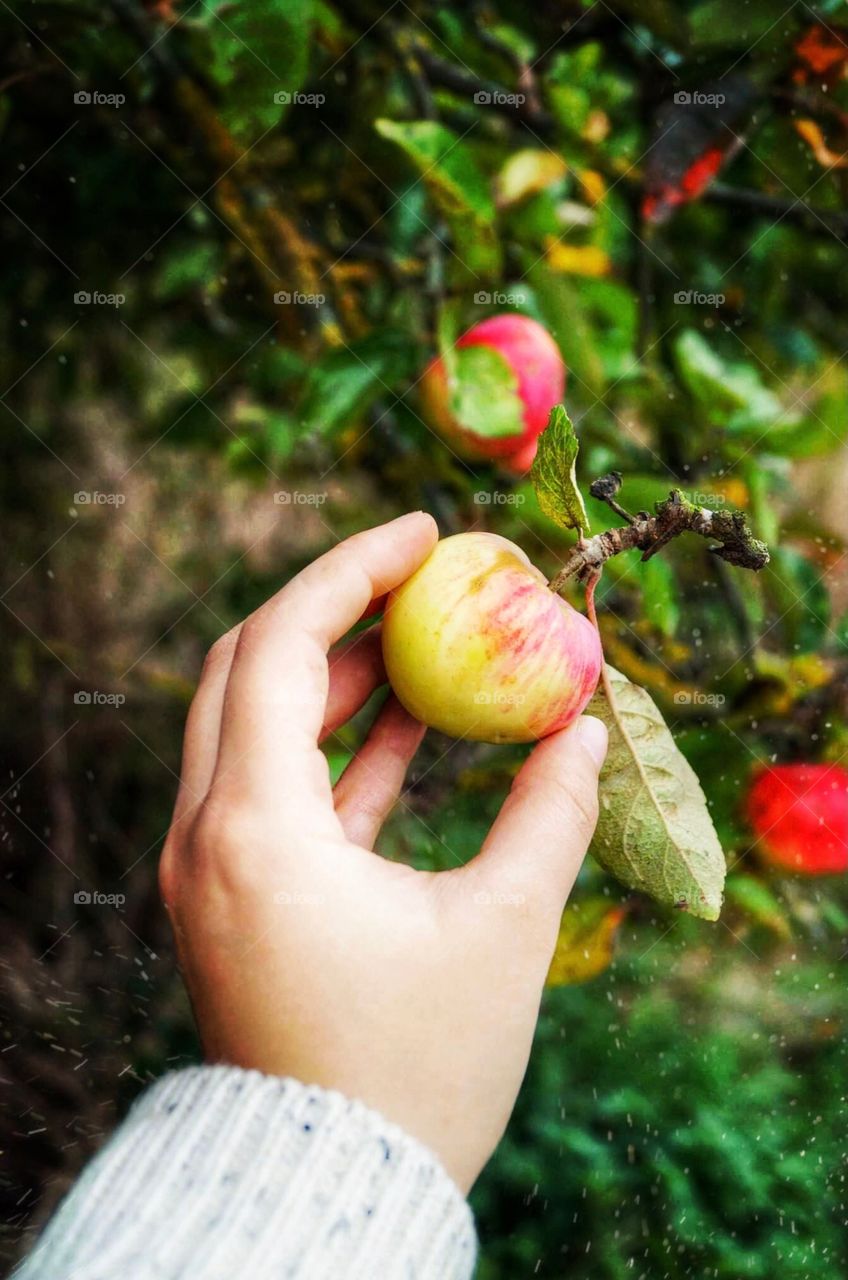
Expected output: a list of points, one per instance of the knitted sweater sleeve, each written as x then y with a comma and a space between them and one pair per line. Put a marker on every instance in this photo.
219, 1174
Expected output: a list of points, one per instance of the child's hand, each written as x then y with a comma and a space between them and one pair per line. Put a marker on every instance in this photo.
307, 955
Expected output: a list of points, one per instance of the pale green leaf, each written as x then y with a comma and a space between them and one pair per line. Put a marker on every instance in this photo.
456, 186
526, 172
654, 832
484, 393
553, 473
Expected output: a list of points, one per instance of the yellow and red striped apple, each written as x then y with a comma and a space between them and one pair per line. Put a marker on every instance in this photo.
537, 366
477, 645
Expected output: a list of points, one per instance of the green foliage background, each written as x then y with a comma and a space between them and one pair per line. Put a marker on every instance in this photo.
684, 1112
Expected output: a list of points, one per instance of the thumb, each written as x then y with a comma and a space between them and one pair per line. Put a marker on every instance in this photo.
541, 834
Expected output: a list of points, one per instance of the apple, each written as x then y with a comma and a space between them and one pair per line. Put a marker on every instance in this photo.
477, 645
799, 813
537, 367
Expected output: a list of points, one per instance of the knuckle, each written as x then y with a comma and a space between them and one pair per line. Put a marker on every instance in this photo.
227, 846
222, 650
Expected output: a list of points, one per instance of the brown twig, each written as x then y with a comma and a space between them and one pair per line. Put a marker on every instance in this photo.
650, 533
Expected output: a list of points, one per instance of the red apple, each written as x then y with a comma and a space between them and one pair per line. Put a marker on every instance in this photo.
536, 364
799, 813
477, 645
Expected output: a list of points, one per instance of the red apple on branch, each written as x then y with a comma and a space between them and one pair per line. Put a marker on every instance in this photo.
477, 645
799, 813
491, 397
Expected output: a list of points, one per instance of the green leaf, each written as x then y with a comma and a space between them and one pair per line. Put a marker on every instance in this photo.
732, 392
258, 57
347, 379
191, 266
447, 332
456, 186
484, 393
820, 429
726, 23
553, 473
585, 942
561, 304
659, 594
654, 831
797, 591
758, 902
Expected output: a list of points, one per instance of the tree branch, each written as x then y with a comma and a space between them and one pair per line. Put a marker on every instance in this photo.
650, 533
794, 210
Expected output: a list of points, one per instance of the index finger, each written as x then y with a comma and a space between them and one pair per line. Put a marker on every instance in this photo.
278, 682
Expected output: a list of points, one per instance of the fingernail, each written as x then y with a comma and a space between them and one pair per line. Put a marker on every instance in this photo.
592, 733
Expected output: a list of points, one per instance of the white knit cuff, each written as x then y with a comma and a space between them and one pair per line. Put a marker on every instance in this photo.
219, 1173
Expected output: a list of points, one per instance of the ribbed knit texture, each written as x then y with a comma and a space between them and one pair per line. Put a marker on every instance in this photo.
219, 1174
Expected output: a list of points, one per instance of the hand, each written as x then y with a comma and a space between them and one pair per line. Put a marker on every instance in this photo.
305, 954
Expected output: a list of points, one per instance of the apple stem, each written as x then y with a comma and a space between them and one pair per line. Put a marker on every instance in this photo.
590, 599
591, 583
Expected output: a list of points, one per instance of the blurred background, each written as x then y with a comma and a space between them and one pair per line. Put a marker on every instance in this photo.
232, 235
